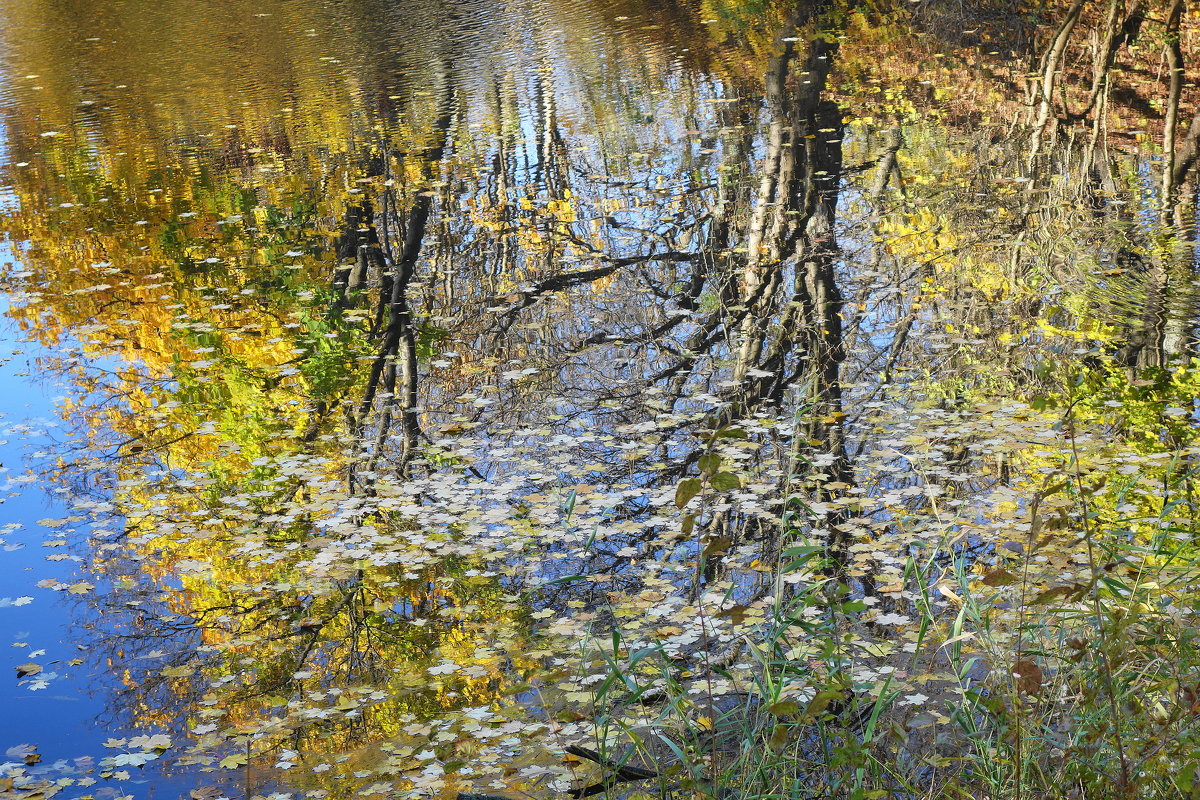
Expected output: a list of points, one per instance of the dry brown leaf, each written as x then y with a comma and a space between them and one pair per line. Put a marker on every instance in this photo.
1000, 577
1027, 676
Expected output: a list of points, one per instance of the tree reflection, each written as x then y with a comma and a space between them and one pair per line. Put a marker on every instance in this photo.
398, 387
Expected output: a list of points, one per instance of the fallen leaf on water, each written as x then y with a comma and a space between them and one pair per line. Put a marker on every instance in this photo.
159, 741
33, 790
178, 672
1000, 577
234, 761
206, 793
28, 669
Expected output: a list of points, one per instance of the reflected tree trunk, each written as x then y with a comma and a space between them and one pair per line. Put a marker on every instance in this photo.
394, 371
1175, 80
1045, 123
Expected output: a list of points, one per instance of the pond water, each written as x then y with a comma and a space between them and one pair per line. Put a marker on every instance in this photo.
399, 393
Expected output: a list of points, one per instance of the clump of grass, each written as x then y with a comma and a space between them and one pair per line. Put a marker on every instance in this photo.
1013, 682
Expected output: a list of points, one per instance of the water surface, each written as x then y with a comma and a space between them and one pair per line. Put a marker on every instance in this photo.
408, 350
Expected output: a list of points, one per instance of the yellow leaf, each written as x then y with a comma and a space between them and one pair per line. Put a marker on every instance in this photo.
234, 761
178, 672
